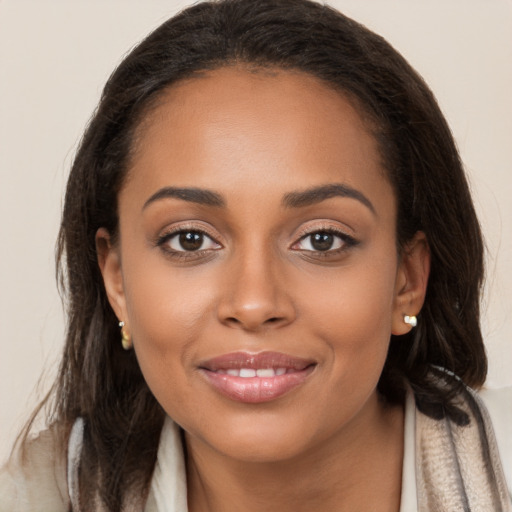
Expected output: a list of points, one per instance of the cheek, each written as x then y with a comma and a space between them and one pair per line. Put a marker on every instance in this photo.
168, 311
352, 313
165, 303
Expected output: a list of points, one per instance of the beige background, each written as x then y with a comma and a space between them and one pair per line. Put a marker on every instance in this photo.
55, 57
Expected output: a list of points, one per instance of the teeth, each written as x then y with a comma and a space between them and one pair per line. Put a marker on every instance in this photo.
250, 372
266, 372
247, 372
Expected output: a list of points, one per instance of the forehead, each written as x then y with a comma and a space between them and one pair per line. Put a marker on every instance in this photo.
234, 127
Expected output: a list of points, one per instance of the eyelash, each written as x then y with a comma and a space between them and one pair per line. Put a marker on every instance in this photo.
347, 242
163, 241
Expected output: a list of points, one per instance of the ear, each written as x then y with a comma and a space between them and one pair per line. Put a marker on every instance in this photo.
109, 261
411, 282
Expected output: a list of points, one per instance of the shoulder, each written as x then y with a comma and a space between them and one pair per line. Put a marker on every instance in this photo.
499, 405
34, 478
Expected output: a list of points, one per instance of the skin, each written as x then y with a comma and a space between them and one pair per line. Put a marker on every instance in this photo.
258, 284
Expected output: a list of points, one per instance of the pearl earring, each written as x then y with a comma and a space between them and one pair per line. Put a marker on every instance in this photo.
126, 341
411, 320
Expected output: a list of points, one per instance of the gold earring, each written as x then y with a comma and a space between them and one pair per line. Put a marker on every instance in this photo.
411, 320
126, 341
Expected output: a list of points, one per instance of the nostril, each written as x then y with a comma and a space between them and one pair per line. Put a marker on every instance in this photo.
254, 324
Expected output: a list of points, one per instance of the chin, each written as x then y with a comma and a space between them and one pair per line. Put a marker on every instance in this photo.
257, 440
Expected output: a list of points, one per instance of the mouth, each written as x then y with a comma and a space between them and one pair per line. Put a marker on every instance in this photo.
256, 378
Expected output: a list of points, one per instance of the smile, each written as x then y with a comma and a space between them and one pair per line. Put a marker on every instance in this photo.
251, 372
256, 378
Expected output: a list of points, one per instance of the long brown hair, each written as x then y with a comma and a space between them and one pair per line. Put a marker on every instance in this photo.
103, 384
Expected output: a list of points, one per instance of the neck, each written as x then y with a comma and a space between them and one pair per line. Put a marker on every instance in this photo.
360, 468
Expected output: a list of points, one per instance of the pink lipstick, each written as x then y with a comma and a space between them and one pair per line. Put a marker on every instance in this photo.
256, 378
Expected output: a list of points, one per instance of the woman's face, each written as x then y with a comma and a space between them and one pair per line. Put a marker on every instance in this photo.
257, 269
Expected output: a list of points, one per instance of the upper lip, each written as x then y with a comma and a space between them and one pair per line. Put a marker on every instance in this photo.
261, 360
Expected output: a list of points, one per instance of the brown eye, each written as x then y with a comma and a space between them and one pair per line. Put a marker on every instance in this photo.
322, 241
189, 241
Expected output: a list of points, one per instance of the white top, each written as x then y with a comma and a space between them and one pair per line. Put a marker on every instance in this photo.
408, 499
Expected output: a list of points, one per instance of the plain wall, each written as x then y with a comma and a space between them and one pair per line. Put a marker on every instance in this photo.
54, 59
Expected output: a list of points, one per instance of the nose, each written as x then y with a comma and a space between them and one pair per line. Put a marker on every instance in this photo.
254, 295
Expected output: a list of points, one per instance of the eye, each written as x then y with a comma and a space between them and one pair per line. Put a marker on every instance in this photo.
188, 241
324, 241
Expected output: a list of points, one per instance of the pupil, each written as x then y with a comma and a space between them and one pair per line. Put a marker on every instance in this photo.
322, 241
191, 241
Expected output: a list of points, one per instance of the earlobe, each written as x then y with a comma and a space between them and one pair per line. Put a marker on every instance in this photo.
411, 284
109, 262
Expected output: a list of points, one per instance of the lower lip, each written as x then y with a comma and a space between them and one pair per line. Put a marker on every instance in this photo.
255, 390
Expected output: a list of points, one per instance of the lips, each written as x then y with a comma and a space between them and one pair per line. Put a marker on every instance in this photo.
255, 378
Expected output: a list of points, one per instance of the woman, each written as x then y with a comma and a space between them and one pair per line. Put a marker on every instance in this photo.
267, 237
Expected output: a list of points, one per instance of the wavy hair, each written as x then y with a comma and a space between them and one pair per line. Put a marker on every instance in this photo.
102, 383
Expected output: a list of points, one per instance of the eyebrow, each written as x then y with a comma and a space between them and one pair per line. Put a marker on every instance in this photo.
318, 194
192, 195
